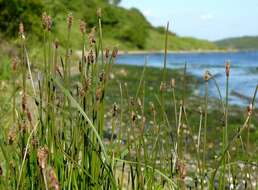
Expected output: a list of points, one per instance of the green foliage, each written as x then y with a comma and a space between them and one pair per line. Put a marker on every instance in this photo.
134, 29
119, 23
246, 42
111, 16
127, 29
90, 13
156, 42
12, 12
162, 30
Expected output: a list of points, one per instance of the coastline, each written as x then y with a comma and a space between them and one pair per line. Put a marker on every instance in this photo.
139, 52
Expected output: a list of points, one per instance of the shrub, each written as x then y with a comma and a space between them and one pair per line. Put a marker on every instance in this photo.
12, 12
134, 29
162, 30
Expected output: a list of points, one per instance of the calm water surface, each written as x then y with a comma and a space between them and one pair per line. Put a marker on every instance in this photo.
243, 75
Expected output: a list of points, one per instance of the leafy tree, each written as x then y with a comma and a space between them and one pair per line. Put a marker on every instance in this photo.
12, 12
162, 30
134, 28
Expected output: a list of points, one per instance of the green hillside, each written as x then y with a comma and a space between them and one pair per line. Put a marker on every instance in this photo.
127, 29
245, 42
155, 42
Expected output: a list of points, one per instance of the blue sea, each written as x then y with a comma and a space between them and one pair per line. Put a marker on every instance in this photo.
243, 74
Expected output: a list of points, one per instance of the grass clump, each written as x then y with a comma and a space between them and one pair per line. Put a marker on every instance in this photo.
81, 122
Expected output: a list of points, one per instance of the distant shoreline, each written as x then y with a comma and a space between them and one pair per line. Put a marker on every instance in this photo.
139, 52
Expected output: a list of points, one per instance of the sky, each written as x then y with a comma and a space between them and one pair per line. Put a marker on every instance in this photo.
206, 19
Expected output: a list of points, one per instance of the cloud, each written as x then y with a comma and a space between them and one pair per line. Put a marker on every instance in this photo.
147, 12
206, 17
152, 17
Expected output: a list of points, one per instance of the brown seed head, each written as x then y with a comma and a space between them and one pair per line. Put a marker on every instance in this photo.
42, 157
34, 142
14, 63
102, 76
114, 52
82, 92
207, 76
181, 169
56, 43
98, 94
44, 20
21, 30
115, 109
48, 22
106, 53
250, 109
99, 12
86, 84
52, 178
227, 68
200, 110
162, 86
152, 107
11, 136
82, 27
91, 57
132, 102
92, 39
24, 102
139, 102
133, 116
69, 21
23, 127
143, 120
173, 83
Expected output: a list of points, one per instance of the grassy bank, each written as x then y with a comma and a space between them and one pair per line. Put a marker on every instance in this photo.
119, 24
243, 43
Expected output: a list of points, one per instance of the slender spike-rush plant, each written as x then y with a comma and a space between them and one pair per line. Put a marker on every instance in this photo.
163, 82
14, 71
225, 129
173, 86
165, 54
199, 143
226, 106
206, 79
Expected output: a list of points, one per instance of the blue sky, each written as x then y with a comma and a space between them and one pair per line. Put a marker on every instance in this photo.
207, 19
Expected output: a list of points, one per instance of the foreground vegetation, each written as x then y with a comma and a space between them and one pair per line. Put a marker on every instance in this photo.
72, 122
